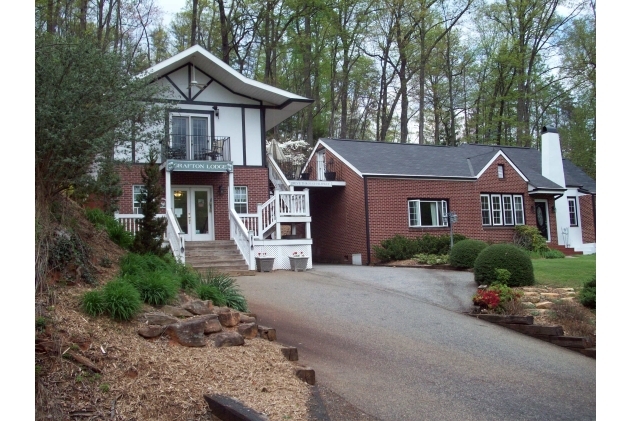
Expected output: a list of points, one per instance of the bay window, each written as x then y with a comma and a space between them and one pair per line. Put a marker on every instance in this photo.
427, 213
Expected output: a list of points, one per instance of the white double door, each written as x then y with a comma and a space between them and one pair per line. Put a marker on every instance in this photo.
193, 209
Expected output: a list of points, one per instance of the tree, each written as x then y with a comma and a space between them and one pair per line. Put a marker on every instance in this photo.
151, 228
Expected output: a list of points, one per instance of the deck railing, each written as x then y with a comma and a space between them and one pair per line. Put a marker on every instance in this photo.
242, 236
198, 148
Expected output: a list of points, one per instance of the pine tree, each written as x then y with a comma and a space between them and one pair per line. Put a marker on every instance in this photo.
151, 228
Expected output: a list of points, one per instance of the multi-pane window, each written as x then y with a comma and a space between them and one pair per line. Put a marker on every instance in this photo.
189, 136
138, 198
427, 213
502, 209
571, 201
241, 199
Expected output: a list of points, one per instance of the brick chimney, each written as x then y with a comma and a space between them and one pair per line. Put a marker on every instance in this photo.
551, 158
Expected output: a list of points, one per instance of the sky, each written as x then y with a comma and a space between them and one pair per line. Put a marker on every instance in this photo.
170, 8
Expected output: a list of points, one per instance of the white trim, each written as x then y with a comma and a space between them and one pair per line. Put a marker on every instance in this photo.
492, 160
340, 157
549, 239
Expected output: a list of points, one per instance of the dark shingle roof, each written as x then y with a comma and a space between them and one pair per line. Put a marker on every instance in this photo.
464, 161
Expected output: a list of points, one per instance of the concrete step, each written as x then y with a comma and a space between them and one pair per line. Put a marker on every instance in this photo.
221, 255
565, 250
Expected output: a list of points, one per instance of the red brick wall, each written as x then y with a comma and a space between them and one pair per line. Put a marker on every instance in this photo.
587, 214
255, 178
338, 225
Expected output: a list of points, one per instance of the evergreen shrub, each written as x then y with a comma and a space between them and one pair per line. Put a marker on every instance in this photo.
504, 256
587, 296
122, 301
464, 253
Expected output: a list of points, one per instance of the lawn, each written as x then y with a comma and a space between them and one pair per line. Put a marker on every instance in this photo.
570, 272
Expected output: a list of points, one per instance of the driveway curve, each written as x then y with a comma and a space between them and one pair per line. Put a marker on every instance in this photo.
394, 342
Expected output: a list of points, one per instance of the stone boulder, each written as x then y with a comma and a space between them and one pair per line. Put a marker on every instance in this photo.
198, 307
228, 317
189, 332
226, 339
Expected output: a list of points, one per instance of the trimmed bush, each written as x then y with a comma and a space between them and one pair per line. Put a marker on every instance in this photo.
431, 244
93, 303
396, 248
587, 296
122, 301
504, 256
464, 253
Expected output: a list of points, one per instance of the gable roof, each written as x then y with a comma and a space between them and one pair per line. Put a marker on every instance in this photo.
279, 103
462, 162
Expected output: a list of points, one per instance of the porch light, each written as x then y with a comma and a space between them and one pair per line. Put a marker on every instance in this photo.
216, 111
177, 193
220, 190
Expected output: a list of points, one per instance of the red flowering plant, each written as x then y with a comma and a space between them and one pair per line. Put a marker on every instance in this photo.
488, 299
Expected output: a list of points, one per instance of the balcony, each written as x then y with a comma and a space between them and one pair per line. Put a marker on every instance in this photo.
197, 148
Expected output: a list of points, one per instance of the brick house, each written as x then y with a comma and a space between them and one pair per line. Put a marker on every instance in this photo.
370, 191
215, 166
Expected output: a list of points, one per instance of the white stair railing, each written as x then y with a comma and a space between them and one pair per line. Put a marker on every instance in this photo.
293, 203
174, 236
267, 215
251, 222
276, 175
243, 237
129, 221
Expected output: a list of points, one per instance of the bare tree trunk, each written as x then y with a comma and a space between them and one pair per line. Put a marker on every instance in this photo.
194, 22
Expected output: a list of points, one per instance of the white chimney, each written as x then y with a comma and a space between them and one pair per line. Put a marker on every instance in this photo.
551, 158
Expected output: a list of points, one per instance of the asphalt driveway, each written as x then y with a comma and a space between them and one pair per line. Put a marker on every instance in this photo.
395, 343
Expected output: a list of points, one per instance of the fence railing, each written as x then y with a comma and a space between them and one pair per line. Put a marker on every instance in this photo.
174, 237
293, 203
129, 221
198, 148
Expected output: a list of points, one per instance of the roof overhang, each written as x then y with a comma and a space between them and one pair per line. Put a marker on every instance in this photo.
533, 191
279, 104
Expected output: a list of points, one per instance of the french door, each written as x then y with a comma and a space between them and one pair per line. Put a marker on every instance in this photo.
190, 136
193, 209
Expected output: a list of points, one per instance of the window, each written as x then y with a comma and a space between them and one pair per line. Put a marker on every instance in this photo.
502, 209
507, 202
500, 171
571, 202
427, 213
189, 137
241, 199
138, 192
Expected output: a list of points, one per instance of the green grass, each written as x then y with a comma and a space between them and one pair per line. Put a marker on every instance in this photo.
565, 273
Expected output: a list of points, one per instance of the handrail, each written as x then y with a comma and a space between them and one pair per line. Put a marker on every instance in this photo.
267, 215
293, 203
276, 175
129, 221
244, 238
251, 222
198, 147
175, 236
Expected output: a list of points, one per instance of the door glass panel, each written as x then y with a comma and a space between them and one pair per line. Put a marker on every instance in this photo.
201, 212
178, 133
180, 209
199, 140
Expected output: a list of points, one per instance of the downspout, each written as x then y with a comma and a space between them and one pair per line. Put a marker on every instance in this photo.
366, 217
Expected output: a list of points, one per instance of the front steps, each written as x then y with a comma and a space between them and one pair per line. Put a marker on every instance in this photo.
565, 250
222, 256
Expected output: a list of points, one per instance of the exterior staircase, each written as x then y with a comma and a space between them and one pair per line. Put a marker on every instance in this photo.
565, 250
222, 256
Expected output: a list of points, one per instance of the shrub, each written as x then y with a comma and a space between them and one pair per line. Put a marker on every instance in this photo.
486, 299
188, 278
228, 290
97, 217
587, 296
93, 303
529, 238
119, 235
210, 292
138, 264
504, 256
431, 244
122, 300
464, 253
552, 254
431, 259
156, 288
396, 248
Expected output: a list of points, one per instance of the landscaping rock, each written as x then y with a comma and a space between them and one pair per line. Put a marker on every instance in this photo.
159, 319
228, 317
188, 332
306, 374
198, 307
290, 352
247, 319
544, 304
228, 339
212, 324
267, 333
248, 330
176, 311
151, 331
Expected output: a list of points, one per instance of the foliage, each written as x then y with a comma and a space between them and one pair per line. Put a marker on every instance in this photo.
210, 292
156, 288
529, 238
67, 252
140, 264
151, 228
498, 297
575, 319
122, 301
587, 295
226, 290
486, 299
464, 253
504, 256
560, 273
431, 259
403, 248
549, 254
114, 228
92, 303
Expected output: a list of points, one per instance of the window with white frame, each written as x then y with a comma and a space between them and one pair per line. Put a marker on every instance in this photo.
138, 198
502, 209
500, 171
427, 213
241, 199
571, 202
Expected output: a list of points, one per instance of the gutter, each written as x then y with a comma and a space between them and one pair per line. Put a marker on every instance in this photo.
366, 217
